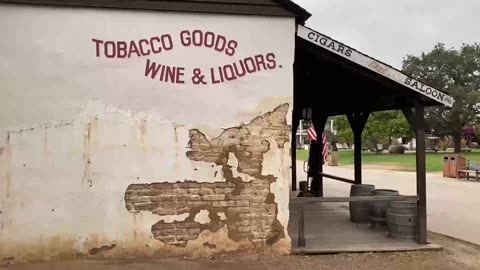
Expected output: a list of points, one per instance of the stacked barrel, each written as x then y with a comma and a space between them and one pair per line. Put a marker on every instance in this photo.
399, 217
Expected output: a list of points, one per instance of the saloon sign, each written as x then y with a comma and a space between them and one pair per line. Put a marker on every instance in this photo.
370, 63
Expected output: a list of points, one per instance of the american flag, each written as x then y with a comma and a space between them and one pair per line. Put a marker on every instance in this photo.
313, 136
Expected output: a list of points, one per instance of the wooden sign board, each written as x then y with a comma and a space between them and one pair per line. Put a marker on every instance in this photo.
374, 65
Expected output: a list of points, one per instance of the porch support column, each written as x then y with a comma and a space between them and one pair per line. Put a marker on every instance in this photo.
318, 121
357, 123
421, 175
293, 145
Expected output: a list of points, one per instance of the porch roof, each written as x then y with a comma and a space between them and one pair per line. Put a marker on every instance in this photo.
349, 81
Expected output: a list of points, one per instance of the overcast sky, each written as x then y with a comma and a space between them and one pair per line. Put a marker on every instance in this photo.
390, 29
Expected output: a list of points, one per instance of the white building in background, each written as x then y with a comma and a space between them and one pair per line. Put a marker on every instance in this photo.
302, 138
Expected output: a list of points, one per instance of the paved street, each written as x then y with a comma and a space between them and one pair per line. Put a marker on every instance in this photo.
453, 205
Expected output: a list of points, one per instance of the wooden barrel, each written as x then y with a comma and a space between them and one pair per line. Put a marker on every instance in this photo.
303, 185
401, 219
378, 209
359, 210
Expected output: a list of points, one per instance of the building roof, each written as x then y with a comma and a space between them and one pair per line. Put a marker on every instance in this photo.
243, 7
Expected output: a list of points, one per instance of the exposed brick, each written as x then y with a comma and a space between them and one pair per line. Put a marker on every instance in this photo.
179, 243
238, 210
165, 191
270, 208
187, 237
145, 206
208, 185
162, 186
129, 206
260, 181
193, 190
190, 185
187, 224
220, 204
218, 197
261, 210
250, 144
162, 226
142, 192
136, 199
251, 171
167, 239
246, 189
266, 228
245, 216
267, 222
192, 197
237, 197
257, 156
262, 193
255, 205
197, 204
194, 230
172, 231
206, 191
163, 198
260, 186
260, 235
257, 147
258, 242
244, 222
248, 216
181, 191
139, 186
256, 222
242, 203
223, 190
168, 204
183, 210
164, 211
221, 184
257, 199
261, 216
244, 229
256, 228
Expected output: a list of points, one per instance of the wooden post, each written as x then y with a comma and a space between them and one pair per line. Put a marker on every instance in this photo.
410, 116
421, 175
357, 123
357, 157
293, 147
318, 122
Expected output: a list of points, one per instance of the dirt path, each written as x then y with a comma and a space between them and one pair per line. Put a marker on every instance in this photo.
457, 255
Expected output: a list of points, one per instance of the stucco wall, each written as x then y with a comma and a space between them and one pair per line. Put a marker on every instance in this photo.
97, 158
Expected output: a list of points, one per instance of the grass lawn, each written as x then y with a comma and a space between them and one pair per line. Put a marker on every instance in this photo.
434, 161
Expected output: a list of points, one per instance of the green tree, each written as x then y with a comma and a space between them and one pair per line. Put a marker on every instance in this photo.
456, 72
381, 127
344, 132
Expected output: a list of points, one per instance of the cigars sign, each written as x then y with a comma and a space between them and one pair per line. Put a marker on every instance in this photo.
346, 52
158, 45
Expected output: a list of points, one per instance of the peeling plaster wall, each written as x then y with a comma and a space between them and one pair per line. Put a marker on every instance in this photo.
91, 150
